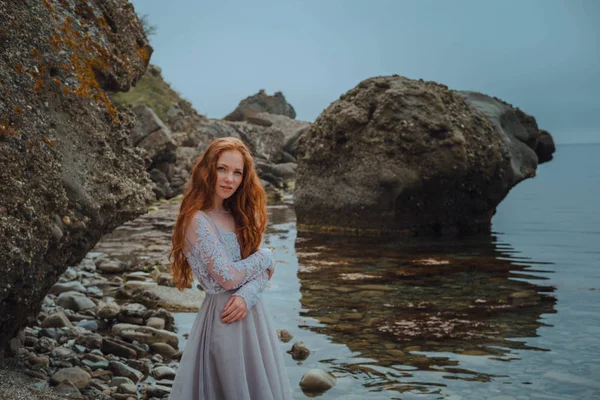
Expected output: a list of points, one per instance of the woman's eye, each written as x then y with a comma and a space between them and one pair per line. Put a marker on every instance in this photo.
220, 168
238, 172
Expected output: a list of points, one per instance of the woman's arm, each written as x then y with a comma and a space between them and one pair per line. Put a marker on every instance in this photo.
205, 245
251, 291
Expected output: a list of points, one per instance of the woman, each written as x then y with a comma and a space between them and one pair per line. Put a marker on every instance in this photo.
232, 352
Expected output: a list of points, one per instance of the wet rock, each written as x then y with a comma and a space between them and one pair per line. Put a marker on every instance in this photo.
57, 320
76, 375
120, 369
163, 373
284, 335
299, 351
317, 380
75, 301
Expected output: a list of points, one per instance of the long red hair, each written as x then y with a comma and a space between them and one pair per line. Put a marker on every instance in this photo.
248, 205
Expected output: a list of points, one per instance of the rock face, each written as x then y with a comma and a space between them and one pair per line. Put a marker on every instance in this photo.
262, 102
68, 170
395, 155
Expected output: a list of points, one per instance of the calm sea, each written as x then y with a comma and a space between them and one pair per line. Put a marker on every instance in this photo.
511, 315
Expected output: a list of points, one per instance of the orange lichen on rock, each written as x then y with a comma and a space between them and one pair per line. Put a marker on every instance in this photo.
6, 129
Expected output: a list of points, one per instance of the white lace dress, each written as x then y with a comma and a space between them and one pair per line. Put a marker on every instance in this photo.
238, 361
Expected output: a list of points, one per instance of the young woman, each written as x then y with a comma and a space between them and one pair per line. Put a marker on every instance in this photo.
232, 352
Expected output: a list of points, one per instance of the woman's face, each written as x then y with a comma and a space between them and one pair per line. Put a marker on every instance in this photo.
230, 170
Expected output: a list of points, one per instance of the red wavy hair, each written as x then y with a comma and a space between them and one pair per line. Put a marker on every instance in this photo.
248, 205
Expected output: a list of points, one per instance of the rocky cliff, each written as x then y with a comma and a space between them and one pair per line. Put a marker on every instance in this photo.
68, 170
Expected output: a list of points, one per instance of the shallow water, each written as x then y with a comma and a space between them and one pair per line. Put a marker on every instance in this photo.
515, 314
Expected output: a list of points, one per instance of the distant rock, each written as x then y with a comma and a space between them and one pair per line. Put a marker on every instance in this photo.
401, 156
262, 102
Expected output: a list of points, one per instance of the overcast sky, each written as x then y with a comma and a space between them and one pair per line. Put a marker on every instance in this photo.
539, 55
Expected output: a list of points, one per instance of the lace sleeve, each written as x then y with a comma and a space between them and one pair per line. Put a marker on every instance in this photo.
252, 291
205, 245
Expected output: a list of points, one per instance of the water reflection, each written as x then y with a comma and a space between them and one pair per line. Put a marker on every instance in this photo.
406, 307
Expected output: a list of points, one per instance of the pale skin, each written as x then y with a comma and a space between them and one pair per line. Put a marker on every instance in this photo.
230, 170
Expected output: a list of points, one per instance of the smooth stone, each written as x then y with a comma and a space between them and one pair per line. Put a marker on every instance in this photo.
76, 375
110, 346
52, 333
145, 334
94, 365
62, 352
120, 369
284, 335
67, 390
111, 267
57, 320
163, 349
317, 380
88, 325
129, 388
120, 380
133, 285
157, 390
163, 373
94, 291
39, 360
75, 301
61, 287
70, 274
156, 323
108, 310
87, 265
299, 351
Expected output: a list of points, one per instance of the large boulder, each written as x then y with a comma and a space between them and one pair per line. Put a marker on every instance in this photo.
401, 156
262, 102
68, 170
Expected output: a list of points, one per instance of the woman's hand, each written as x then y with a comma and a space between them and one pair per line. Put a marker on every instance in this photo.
271, 271
235, 309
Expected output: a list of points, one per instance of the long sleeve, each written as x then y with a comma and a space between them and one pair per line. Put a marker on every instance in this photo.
206, 247
252, 291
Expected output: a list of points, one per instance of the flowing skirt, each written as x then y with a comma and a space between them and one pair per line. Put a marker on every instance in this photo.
238, 361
